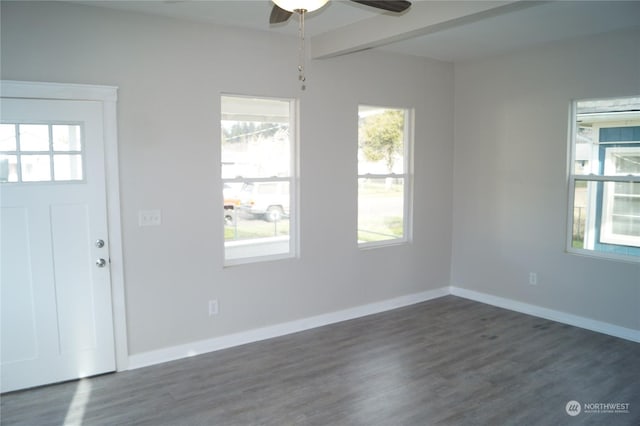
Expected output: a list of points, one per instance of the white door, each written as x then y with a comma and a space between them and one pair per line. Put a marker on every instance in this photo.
56, 309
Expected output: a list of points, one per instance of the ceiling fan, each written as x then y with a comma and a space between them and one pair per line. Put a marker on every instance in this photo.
283, 9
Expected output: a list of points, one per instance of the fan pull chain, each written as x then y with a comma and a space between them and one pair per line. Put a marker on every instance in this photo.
302, 53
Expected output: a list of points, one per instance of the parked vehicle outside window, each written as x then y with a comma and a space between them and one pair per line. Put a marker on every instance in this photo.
269, 200
258, 163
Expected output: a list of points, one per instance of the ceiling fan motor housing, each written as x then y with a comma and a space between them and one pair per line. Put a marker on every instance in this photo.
302, 5
283, 9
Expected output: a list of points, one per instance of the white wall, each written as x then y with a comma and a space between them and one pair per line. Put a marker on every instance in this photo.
510, 185
170, 74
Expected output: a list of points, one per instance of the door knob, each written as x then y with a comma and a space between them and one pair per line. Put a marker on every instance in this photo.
101, 263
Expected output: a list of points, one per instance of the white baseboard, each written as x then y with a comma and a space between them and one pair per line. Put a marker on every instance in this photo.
550, 314
209, 345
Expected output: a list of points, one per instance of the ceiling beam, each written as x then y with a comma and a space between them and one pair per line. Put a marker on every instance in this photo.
422, 18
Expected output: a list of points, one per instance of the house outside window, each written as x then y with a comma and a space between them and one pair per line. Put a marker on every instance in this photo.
258, 171
384, 175
605, 178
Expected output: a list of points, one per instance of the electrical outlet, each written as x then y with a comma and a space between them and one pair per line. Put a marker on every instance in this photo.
149, 218
533, 278
213, 307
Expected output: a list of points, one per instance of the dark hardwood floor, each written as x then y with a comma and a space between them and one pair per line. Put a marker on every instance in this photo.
448, 361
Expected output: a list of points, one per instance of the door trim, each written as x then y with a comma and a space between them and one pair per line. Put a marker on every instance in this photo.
108, 96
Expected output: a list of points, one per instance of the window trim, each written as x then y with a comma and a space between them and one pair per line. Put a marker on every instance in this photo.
293, 180
572, 178
407, 176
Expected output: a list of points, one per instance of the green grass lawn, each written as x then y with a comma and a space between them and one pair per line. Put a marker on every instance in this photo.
382, 229
255, 228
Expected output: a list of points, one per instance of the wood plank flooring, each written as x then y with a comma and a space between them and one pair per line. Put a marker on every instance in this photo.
449, 361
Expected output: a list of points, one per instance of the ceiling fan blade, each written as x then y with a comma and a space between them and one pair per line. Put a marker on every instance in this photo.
279, 15
390, 5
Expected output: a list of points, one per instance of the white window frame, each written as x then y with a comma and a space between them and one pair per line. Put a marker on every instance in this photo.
591, 178
292, 179
407, 176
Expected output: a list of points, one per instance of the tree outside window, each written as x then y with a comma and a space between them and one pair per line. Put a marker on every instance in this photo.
383, 175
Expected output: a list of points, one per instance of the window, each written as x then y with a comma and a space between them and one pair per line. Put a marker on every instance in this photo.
605, 178
37, 152
384, 179
259, 178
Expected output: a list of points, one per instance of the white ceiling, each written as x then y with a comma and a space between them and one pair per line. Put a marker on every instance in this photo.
446, 30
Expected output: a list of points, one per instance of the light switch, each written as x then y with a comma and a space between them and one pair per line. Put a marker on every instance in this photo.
149, 218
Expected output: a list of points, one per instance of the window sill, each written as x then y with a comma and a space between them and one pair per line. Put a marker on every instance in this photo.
603, 256
382, 244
